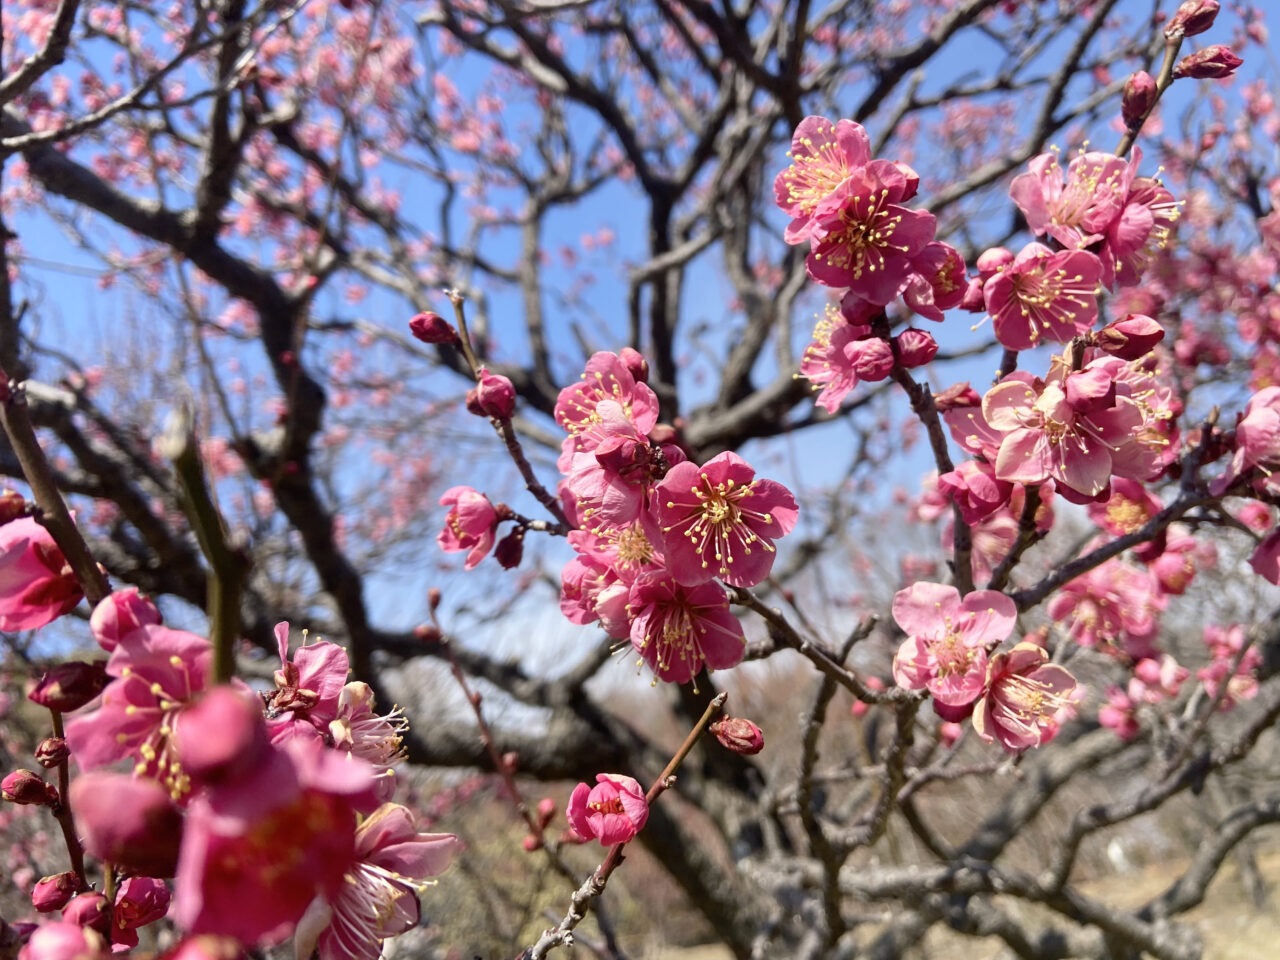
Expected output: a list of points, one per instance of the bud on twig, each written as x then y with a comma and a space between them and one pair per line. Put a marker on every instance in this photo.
430, 327
546, 812
55, 892
27, 788
1193, 17
51, 752
1139, 97
69, 686
1211, 63
495, 396
510, 549
739, 735
1131, 338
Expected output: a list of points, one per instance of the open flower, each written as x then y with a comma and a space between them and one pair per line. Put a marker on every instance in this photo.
1024, 694
469, 525
676, 629
613, 811
1043, 295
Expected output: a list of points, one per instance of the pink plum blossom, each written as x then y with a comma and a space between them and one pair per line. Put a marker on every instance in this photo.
1115, 605
128, 820
1023, 697
720, 520
607, 377
139, 901
1076, 208
947, 639
939, 281
1043, 295
307, 686
974, 487
469, 525
1235, 664
36, 583
122, 612
823, 154
827, 363
676, 628
613, 811
64, 941
1257, 444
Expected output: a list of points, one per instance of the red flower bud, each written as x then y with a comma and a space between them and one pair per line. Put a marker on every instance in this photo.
546, 811
1211, 63
12, 506
635, 363
495, 396
1131, 338
69, 686
55, 892
915, 347
871, 359
428, 633
1139, 97
52, 751
29, 789
432, 328
739, 735
992, 260
434, 596
89, 910
510, 549
511, 760
1194, 16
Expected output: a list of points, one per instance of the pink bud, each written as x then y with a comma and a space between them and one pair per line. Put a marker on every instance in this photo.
915, 347
51, 751
1139, 97
957, 395
739, 735
64, 941
53, 893
871, 359
546, 811
635, 363
1131, 338
495, 396
1193, 17
28, 789
121, 613
69, 686
432, 328
89, 910
12, 506
129, 821
992, 261
1211, 63
974, 300
531, 843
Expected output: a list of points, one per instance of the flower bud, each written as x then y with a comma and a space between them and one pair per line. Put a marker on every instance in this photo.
494, 396
1193, 17
992, 261
1211, 63
63, 941
52, 751
430, 327
532, 842
957, 395
1131, 338
129, 821
53, 893
871, 359
428, 633
915, 347
121, 613
29, 789
1139, 97
739, 735
69, 686
90, 910
635, 363
974, 300
510, 549
546, 811
12, 506
511, 761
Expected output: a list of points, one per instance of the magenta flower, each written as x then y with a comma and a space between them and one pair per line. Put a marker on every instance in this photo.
1265, 559
823, 154
613, 811
607, 377
1257, 443
974, 487
676, 629
1023, 697
719, 520
1115, 605
469, 525
939, 281
307, 687
827, 361
1076, 209
378, 898
862, 238
36, 584
128, 820
122, 612
1043, 295
139, 901
947, 639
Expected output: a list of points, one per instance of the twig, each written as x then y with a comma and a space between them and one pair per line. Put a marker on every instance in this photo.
62, 812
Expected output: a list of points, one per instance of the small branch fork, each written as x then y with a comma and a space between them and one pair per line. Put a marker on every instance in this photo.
562, 933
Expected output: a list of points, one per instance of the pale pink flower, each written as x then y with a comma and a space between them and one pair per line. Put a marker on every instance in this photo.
826, 362
1119, 713
1156, 679
1023, 698
1075, 209
36, 583
1257, 444
676, 629
947, 639
974, 487
379, 896
1114, 605
1043, 295
613, 811
862, 238
720, 520
823, 154
469, 525
1141, 232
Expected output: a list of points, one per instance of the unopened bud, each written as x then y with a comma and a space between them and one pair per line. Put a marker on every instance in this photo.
546, 811
955, 396
494, 395
1139, 97
992, 260
532, 843
1193, 17
974, 300
29, 789
1131, 338
510, 549
1211, 63
635, 363
69, 686
915, 347
434, 596
871, 359
52, 751
55, 892
738, 734
430, 327
120, 614
511, 761
12, 506
428, 633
